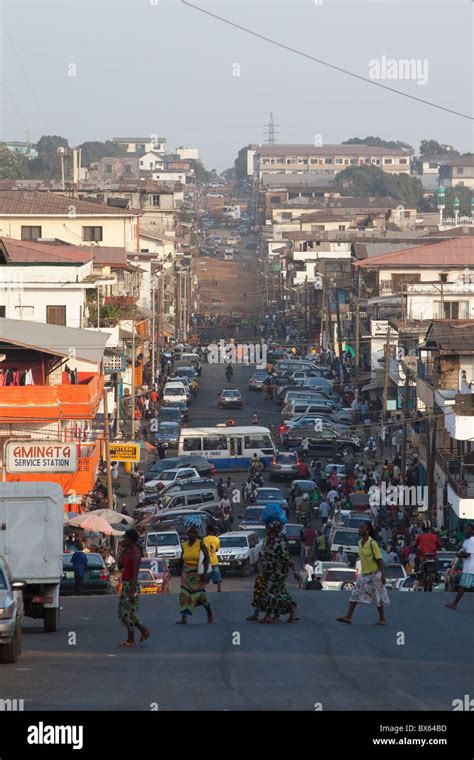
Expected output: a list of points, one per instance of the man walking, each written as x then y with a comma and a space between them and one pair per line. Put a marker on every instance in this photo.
466, 581
79, 563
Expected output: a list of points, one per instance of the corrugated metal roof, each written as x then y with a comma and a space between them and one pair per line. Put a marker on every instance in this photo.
30, 252
36, 203
458, 252
456, 336
87, 345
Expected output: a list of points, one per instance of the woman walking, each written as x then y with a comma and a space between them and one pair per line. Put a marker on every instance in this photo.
129, 563
370, 586
194, 570
270, 594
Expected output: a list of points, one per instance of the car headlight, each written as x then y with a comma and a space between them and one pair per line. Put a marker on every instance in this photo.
7, 612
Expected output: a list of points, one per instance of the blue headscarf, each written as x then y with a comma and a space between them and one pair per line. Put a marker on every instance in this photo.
194, 521
273, 513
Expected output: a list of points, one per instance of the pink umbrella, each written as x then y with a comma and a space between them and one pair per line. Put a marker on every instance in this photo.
91, 522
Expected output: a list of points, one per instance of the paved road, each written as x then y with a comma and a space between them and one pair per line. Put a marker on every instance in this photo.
277, 667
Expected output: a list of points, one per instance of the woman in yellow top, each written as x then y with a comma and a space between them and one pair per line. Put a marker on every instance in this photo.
193, 584
370, 586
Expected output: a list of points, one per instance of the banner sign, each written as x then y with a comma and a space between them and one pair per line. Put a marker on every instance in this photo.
125, 452
40, 456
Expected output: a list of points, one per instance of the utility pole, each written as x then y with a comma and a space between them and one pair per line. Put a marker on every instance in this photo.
161, 308
177, 303
339, 330
133, 379
117, 405
110, 501
153, 334
431, 470
323, 308
405, 423
357, 336
385, 375
305, 306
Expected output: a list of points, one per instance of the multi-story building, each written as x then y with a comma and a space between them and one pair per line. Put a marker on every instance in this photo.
443, 436
141, 145
328, 159
458, 171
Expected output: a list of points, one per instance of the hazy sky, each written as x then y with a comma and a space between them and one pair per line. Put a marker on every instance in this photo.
160, 67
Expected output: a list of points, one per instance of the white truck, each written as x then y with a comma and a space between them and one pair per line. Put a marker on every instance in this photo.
31, 540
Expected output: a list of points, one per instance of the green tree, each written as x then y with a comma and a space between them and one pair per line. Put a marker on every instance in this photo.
370, 180
377, 142
434, 148
12, 165
49, 144
464, 194
240, 163
201, 174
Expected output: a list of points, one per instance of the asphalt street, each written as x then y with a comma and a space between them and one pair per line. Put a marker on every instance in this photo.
236, 665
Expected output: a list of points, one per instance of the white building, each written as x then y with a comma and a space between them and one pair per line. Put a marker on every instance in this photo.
150, 161
141, 145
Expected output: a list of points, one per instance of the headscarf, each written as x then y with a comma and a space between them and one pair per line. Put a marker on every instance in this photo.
273, 513
193, 523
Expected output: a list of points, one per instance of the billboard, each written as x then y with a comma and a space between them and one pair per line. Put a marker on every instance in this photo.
40, 456
125, 452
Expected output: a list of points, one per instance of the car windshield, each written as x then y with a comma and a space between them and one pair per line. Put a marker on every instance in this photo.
3, 581
252, 514
286, 458
337, 575
168, 427
269, 493
346, 538
174, 391
293, 530
168, 475
162, 539
394, 572
93, 560
231, 394
169, 414
232, 541
145, 575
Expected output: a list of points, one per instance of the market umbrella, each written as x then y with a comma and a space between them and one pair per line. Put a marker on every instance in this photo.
91, 522
112, 516
69, 516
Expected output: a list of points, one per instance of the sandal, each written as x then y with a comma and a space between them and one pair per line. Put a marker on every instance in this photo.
145, 635
381, 622
127, 644
344, 620
253, 618
183, 621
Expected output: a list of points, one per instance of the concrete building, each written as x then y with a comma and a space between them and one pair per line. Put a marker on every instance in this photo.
142, 145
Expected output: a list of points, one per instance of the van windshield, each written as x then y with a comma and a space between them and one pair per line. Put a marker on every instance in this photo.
346, 538
162, 539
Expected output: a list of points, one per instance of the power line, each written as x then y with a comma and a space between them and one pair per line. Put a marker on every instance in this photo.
324, 63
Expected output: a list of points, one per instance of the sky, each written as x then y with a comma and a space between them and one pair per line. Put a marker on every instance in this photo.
92, 71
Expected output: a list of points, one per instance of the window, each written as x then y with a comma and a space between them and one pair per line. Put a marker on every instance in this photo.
257, 441
451, 310
30, 233
286, 216
400, 280
443, 277
56, 315
338, 161
353, 161
155, 200
2, 311
208, 497
91, 234
195, 500
388, 161
341, 227
403, 161
108, 168
328, 160
275, 199
214, 442
459, 170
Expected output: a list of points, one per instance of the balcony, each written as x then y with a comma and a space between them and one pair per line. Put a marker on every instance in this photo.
44, 402
460, 482
458, 409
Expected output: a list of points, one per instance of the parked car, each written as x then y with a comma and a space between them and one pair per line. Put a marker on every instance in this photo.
293, 537
284, 465
298, 488
256, 380
339, 579
239, 550
96, 578
166, 477
230, 398
154, 576
12, 615
174, 391
203, 467
168, 432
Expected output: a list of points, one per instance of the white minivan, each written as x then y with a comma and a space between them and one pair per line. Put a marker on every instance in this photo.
173, 392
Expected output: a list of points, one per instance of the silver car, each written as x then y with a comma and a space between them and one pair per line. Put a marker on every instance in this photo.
11, 615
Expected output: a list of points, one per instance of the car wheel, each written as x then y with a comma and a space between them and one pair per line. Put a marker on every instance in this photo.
51, 619
246, 569
348, 586
9, 652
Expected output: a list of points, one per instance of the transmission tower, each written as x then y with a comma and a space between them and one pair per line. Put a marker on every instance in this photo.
270, 131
